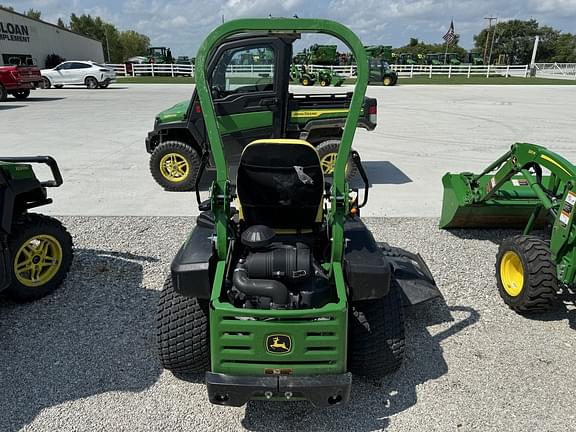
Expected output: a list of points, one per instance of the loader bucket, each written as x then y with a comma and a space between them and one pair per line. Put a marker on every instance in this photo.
510, 207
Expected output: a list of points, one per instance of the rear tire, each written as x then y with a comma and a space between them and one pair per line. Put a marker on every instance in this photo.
327, 152
174, 165
376, 335
182, 335
3, 93
526, 274
40, 257
91, 83
46, 84
104, 85
388, 81
21, 94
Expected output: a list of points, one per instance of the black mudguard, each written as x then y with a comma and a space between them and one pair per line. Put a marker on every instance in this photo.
194, 264
5, 272
412, 275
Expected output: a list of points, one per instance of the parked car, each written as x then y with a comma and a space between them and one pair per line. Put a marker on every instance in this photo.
90, 74
18, 81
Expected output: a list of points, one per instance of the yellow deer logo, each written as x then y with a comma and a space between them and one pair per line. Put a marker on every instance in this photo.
278, 344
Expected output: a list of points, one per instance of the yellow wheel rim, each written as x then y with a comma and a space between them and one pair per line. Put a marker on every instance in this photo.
305, 81
323, 83
174, 167
328, 163
38, 260
512, 273
387, 81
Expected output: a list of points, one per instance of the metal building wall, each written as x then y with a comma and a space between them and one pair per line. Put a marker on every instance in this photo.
23, 35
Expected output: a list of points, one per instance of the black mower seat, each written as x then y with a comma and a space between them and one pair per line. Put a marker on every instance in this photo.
280, 184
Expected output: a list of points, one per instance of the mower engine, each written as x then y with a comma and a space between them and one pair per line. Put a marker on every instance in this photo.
277, 275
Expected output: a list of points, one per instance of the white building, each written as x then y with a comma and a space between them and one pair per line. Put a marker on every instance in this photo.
26, 38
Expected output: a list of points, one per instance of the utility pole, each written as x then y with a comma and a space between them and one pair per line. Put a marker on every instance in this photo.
107, 45
490, 19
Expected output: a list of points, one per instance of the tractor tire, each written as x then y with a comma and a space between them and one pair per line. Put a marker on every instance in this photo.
182, 332
174, 165
324, 83
40, 257
307, 82
46, 84
387, 81
21, 94
327, 152
526, 274
91, 83
376, 335
3, 93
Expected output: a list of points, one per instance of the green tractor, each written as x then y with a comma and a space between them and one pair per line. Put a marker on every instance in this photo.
326, 78
160, 55
515, 192
35, 250
301, 74
280, 291
408, 59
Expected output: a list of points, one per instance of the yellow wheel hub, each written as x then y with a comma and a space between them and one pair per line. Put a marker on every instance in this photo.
305, 81
174, 167
387, 81
512, 273
38, 260
328, 163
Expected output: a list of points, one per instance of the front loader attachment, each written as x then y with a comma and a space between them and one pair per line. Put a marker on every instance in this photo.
513, 192
509, 207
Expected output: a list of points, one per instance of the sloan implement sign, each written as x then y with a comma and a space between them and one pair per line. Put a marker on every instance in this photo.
14, 32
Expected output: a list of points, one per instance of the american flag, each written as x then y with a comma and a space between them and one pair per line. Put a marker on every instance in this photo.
450, 35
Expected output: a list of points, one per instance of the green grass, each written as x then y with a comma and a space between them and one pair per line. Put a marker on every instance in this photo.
436, 79
480, 80
156, 80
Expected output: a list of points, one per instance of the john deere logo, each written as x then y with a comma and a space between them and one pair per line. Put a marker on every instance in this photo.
278, 344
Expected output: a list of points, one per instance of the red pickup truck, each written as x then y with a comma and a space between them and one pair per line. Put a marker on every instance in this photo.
18, 81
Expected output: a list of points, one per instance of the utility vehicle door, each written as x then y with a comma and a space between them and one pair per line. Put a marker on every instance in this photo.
249, 84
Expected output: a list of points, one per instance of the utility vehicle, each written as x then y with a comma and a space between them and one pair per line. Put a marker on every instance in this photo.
35, 250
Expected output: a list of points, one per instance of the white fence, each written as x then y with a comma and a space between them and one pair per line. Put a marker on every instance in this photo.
545, 70
556, 70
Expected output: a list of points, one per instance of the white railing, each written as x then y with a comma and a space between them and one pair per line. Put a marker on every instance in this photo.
556, 70
462, 70
404, 71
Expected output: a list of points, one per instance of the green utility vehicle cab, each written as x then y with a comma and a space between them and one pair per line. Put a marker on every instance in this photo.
380, 72
35, 250
249, 106
280, 290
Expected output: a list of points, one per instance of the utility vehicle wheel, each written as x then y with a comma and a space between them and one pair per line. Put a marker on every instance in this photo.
376, 335
46, 84
3, 93
182, 332
387, 81
91, 83
328, 151
174, 165
526, 274
41, 255
21, 94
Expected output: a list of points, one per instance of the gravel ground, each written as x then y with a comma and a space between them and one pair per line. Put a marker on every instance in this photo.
82, 359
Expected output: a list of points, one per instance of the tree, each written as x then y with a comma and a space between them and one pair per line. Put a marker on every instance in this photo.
117, 46
133, 44
34, 14
514, 42
61, 23
10, 8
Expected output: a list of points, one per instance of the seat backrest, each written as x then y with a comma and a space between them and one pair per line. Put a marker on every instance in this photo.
280, 184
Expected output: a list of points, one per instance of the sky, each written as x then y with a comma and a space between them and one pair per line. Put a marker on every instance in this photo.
182, 25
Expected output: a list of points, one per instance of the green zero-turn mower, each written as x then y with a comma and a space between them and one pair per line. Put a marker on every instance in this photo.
514, 192
285, 294
35, 250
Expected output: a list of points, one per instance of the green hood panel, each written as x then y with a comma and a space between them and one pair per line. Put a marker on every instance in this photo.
175, 113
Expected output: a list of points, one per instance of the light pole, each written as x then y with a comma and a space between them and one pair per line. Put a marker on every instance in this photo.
107, 44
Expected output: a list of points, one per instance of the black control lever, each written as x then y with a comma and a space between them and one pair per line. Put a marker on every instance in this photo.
358, 163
